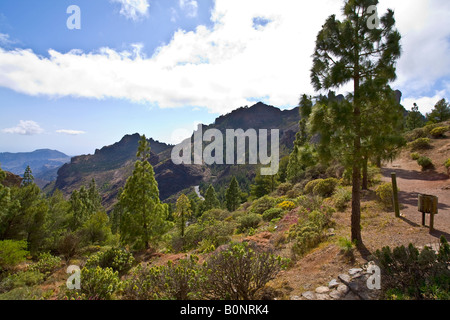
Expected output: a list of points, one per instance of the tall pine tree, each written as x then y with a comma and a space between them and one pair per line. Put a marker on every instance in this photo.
143, 218
355, 51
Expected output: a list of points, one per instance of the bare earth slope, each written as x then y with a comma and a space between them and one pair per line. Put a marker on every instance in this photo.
412, 181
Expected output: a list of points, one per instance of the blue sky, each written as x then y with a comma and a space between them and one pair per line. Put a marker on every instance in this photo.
161, 67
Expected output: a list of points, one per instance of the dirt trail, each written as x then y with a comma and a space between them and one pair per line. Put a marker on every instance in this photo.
412, 182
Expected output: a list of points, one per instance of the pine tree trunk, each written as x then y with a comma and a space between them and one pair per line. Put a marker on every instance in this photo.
365, 181
356, 179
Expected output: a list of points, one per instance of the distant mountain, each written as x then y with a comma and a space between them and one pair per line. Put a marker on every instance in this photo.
112, 165
44, 163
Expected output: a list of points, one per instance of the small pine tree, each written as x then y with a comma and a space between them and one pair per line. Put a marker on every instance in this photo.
211, 200
183, 211
233, 195
28, 178
440, 113
415, 119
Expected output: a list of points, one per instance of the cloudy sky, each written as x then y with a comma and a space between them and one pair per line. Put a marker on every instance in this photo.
160, 66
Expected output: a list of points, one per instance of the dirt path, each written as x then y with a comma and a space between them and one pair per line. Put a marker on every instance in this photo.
412, 182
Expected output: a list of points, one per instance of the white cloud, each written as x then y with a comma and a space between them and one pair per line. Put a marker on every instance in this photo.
70, 132
133, 9
425, 43
226, 66
190, 7
28, 128
425, 104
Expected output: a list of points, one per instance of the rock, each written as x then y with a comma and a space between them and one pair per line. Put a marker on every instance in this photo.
342, 289
336, 295
354, 271
309, 295
323, 296
345, 277
333, 284
322, 290
295, 298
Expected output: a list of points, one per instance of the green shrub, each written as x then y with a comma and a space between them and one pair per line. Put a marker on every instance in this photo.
216, 231
425, 163
309, 232
273, 213
118, 260
310, 203
248, 221
46, 264
22, 293
98, 283
385, 193
262, 204
416, 134
321, 187
240, 272
326, 187
414, 274
438, 132
309, 188
341, 198
347, 248
175, 281
12, 253
420, 144
284, 188
286, 205
447, 165
415, 156
27, 278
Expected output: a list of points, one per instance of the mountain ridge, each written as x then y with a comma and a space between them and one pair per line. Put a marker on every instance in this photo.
111, 165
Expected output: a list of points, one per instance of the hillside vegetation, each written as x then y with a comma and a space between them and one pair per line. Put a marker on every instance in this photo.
299, 233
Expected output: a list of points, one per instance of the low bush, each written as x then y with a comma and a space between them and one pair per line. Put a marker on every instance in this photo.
248, 221
310, 203
438, 132
240, 272
46, 264
98, 283
12, 253
215, 231
385, 193
21, 279
425, 163
416, 134
284, 188
309, 188
415, 156
326, 187
412, 274
262, 204
286, 205
273, 213
310, 231
341, 198
118, 260
447, 165
175, 281
321, 187
347, 248
420, 144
